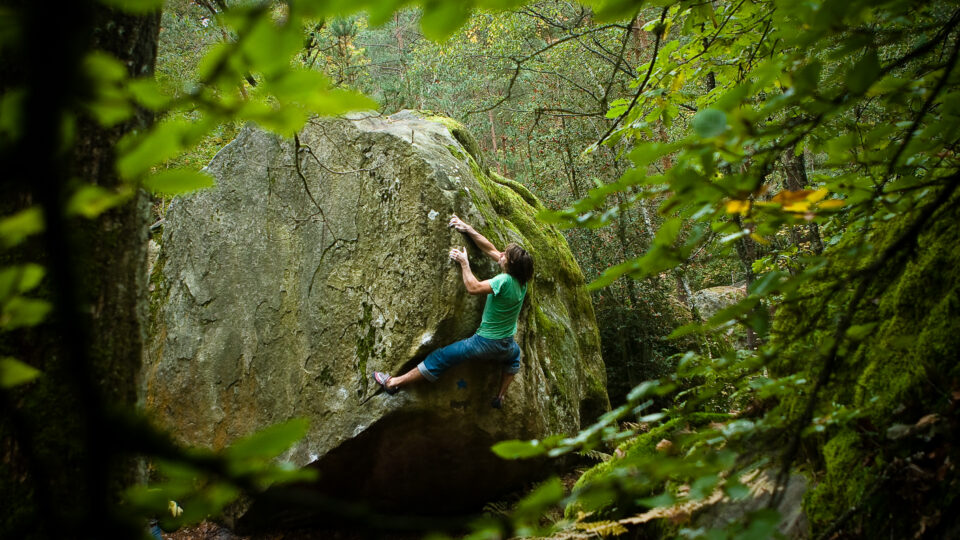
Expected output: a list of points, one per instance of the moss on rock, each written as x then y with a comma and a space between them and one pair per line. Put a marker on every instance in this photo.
896, 369
461, 134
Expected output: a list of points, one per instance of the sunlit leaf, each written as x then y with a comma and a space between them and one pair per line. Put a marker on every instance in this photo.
269, 442
703, 486
831, 204
20, 311
518, 449
859, 332
177, 181
103, 67
90, 201
440, 19
164, 141
135, 6
546, 495
668, 231
14, 372
20, 279
736, 490
11, 113
738, 207
709, 123
147, 93
16, 228
864, 72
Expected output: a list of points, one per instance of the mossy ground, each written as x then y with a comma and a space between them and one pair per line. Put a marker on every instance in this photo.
620, 470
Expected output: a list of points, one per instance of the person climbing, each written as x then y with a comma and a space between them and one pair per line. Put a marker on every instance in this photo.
494, 340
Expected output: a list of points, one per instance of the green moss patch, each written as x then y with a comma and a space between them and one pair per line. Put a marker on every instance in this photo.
900, 370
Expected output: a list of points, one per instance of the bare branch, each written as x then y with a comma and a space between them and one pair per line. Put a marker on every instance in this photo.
643, 85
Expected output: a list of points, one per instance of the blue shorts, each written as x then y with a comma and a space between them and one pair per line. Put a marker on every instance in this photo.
504, 351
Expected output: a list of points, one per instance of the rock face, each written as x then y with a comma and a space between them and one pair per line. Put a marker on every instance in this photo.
318, 260
709, 301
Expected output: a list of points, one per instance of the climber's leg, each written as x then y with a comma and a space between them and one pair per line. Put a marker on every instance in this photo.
445, 358
511, 366
400, 381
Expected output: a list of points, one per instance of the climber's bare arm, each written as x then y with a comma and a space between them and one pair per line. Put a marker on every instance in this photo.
480, 240
474, 286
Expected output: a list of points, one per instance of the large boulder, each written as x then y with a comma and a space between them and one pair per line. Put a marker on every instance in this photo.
320, 259
710, 301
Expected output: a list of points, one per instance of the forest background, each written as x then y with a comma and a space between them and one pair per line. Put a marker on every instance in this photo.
807, 152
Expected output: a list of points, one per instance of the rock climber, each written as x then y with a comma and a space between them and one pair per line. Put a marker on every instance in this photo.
493, 341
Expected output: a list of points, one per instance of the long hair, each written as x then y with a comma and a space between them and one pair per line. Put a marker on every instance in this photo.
519, 263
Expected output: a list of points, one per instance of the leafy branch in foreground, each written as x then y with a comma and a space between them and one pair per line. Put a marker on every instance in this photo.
876, 118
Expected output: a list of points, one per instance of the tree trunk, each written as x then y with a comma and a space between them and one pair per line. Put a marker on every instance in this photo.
63, 464
795, 171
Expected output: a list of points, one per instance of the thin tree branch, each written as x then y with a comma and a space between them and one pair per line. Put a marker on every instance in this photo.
643, 85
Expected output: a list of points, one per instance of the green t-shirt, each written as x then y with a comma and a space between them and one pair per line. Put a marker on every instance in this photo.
502, 309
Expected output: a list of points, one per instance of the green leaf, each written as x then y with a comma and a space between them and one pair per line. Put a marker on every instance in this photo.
643, 389
16, 228
709, 123
442, 18
685, 330
647, 152
763, 525
668, 231
177, 181
164, 141
859, 332
269, 442
104, 68
806, 80
518, 449
662, 500
767, 283
150, 499
339, 101
268, 46
285, 472
219, 495
20, 311
147, 93
14, 372
135, 6
703, 486
11, 113
736, 490
864, 73
298, 85
110, 108
546, 495
20, 279
90, 201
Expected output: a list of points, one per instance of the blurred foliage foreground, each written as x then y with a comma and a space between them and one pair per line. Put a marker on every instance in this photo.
854, 378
